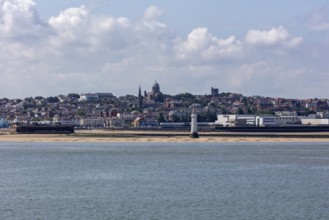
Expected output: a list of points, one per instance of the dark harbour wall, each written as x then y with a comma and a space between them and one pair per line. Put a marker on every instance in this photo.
26, 129
275, 129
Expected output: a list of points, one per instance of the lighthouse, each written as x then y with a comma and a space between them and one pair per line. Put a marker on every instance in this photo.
194, 125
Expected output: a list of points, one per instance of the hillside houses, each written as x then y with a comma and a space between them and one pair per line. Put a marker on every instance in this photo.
107, 110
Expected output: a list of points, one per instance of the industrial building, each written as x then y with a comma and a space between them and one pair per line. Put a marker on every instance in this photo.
258, 121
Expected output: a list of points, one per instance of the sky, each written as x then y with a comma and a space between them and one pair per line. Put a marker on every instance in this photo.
255, 47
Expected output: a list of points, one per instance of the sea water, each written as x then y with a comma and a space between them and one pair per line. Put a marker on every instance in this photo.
164, 181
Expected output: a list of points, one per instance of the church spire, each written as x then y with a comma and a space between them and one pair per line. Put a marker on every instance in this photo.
139, 92
140, 99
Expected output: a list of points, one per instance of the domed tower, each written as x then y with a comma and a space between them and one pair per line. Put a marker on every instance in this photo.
157, 95
156, 88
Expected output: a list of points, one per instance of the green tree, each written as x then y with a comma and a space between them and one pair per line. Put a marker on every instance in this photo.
73, 95
184, 96
250, 111
240, 111
175, 118
52, 99
81, 113
224, 111
29, 99
160, 118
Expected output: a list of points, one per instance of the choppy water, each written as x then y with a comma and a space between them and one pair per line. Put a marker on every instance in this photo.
164, 181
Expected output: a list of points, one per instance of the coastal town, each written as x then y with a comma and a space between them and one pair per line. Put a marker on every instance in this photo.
153, 108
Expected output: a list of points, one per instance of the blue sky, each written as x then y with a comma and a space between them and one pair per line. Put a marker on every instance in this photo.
269, 48
217, 15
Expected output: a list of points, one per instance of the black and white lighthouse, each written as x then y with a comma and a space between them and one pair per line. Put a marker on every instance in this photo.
194, 125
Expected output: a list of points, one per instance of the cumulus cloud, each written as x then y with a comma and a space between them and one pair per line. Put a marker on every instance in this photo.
80, 51
152, 20
274, 37
20, 20
201, 45
77, 43
77, 28
66, 22
153, 13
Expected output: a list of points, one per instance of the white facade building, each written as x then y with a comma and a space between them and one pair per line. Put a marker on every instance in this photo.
66, 121
277, 120
315, 121
265, 121
92, 122
88, 97
114, 122
235, 120
252, 120
127, 116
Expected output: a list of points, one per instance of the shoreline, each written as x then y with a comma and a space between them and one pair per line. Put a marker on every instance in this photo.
104, 136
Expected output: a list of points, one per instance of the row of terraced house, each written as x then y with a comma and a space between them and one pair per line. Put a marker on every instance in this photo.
147, 108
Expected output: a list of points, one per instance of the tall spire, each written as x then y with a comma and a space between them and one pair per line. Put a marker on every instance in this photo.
139, 91
140, 99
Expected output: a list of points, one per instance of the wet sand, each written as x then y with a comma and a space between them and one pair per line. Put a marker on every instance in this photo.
162, 136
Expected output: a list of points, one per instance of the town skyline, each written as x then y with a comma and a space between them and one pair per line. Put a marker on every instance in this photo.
166, 94
145, 90
271, 49
150, 108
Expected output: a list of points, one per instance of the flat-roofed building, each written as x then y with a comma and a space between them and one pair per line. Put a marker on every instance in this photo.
253, 120
88, 97
92, 122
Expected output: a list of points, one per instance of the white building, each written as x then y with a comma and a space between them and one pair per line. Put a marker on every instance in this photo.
252, 120
285, 113
114, 122
127, 116
266, 121
66, 121
277, 120
92, 122
235, 120
88, 97
315, 121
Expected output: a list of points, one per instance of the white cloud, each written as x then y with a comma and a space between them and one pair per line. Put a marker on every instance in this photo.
19, 20
69, 25
153, 13
202, 46
151, 19
80, 51
68, 19
76, 41
274, 37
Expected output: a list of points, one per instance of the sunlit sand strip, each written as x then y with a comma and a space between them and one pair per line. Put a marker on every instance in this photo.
162, 139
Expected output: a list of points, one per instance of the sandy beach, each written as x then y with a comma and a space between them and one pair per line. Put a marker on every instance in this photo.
161, 136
